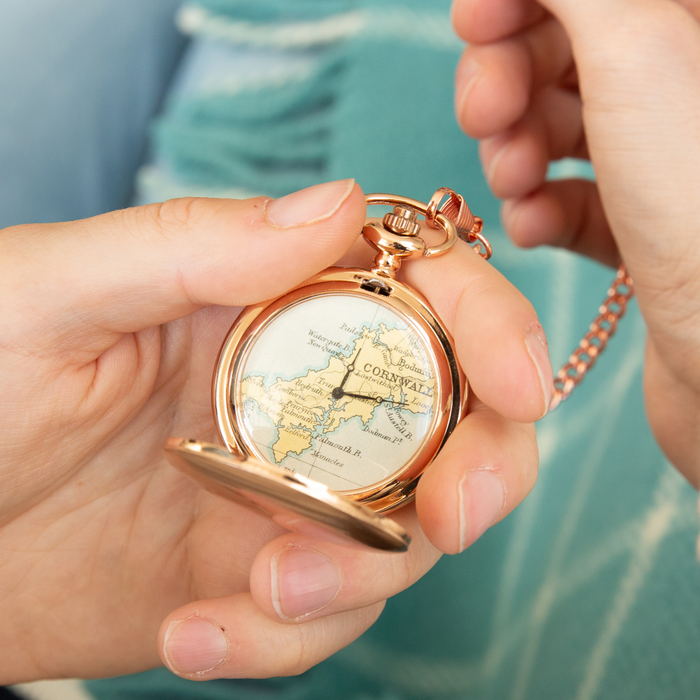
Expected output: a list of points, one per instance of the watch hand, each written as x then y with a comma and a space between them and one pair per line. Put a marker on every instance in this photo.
338, 392
350, 368
376, 399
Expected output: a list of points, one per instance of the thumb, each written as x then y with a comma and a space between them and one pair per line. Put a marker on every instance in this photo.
132, 269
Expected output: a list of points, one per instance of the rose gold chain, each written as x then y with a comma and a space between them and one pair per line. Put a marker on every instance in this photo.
600, 331
593, 343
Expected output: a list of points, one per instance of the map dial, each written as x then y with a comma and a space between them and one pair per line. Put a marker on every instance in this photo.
339, 388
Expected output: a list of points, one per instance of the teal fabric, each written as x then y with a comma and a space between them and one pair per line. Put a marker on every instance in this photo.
276, 10
277, 143
590, 589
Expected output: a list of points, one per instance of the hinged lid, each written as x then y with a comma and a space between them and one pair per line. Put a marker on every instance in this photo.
293, 501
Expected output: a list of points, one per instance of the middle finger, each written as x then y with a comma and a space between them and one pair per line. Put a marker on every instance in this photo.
498, 340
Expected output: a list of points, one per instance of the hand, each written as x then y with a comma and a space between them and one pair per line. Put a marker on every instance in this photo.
617, 81
110, 558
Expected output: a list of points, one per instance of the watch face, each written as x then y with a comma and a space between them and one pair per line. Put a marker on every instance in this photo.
340, 388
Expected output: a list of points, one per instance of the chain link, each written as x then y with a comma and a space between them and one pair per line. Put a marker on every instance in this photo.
456, 209
600, 331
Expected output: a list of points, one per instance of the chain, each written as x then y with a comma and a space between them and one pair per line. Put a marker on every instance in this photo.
593, 343
600, 331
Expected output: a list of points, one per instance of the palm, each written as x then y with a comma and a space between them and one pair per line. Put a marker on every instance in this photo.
125, 527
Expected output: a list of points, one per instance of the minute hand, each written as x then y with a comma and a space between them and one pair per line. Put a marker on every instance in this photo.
376, 399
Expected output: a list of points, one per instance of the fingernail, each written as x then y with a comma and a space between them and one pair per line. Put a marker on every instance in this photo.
468, 75
194, 645
491, 172
536, 344
508, 206
303, 582
308, 206
481, 499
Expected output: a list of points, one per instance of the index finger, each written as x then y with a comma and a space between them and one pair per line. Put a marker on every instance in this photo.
481, 21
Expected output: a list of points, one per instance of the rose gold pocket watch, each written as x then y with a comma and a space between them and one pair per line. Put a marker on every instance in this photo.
332, 399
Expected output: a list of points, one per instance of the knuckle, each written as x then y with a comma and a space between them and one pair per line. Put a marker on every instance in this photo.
405, 574
308, 649
318, 639
168, 219
180, 213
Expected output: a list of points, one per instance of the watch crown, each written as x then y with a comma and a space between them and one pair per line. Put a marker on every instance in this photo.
402, 220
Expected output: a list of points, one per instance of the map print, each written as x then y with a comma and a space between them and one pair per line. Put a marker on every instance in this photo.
351, 394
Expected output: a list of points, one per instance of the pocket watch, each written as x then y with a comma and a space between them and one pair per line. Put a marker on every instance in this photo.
332, 399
